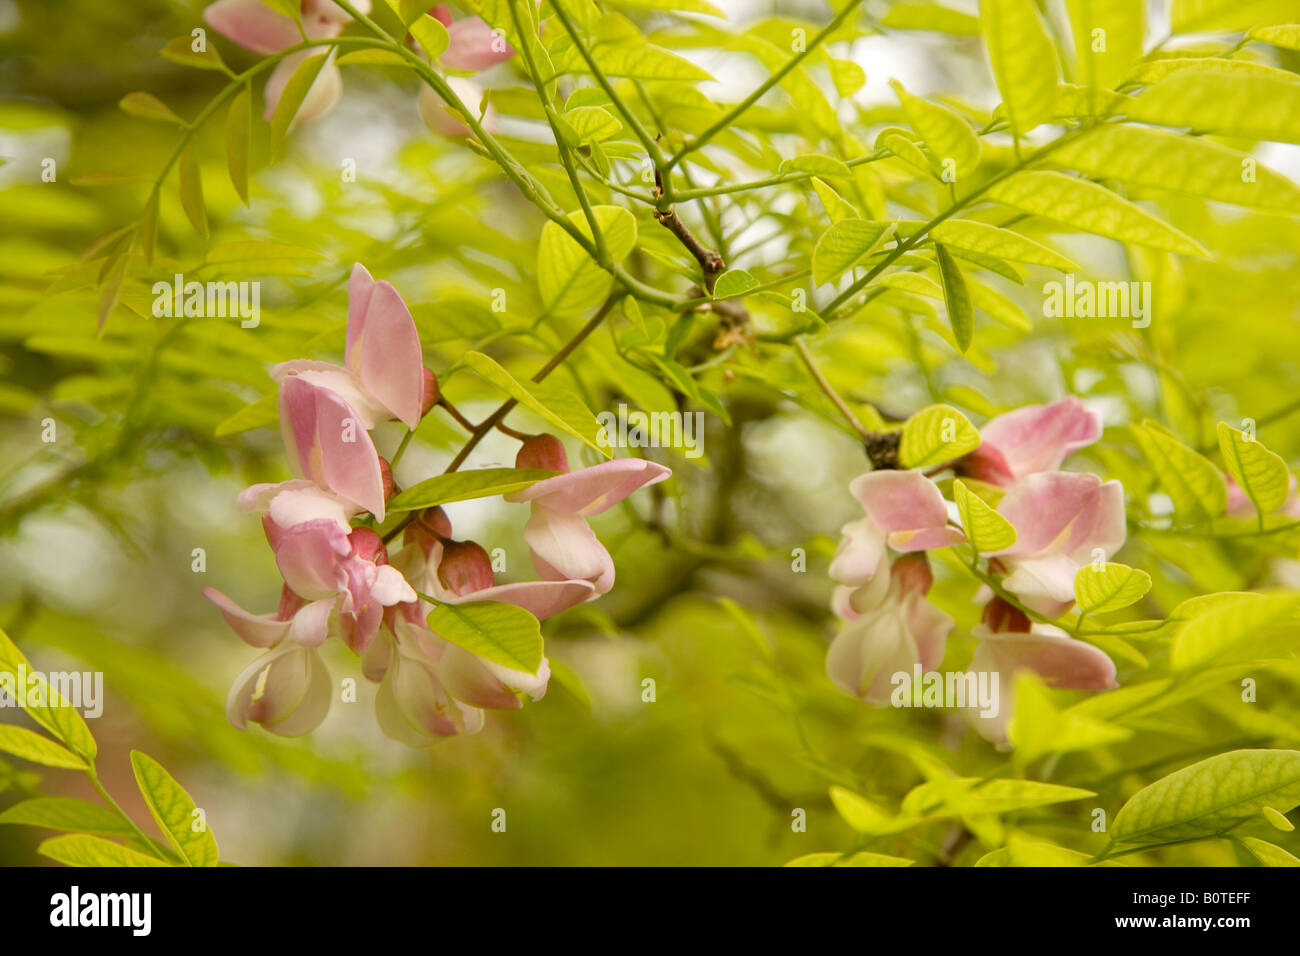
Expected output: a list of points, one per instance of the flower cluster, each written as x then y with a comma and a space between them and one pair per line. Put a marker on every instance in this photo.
339, 580
1063, 520
472, 46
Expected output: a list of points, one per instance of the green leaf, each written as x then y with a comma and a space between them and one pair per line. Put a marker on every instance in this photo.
1286, 35
947, 136
816, 164
259, 414
1260, 473
561, 407
863, 815
28, 745
732, 283
591, 124
1246, 105
1194, 485
1023, 61
994, 241
1269, 854
466, 485
961, 795
672, 6
53, 713
149, 228
569, 280
239, 129
68, 814
1214, 624
916, 283
1210, 797
621, 49
1102, 65
1109, 587
904, 148
836, 206
997, 306
500, 633
191, 185
986, 530
181, 50
431, 35
844, 244
372, 57
961, 314
149, 107
1092, 208
1277, 820
295, 91
857, 859
1192, 166
174, 811
1038, 727
1033, 853
80, 849
936, 435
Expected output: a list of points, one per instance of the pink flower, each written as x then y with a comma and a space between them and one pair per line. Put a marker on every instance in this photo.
1029, 440
254, 25
562, 545
458, 572
294, 502
325, 410
904, 510
473, 45
891, 629
1063, 520
433, 688
287, 690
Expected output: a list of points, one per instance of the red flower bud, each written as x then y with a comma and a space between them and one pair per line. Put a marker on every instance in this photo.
430, 393
1003, 618
290, 602
386, 474
913, 573
465, 568
543, 451
367, 546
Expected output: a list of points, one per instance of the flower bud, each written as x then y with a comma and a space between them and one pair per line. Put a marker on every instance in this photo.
1003, 618
465, 568
366, 545
386, 476
430, 394
290, 602
913, 573
543, 451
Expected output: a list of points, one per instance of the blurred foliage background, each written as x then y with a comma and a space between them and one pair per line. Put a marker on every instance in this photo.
99, 526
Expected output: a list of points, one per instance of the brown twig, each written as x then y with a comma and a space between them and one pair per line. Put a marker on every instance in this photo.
711, 261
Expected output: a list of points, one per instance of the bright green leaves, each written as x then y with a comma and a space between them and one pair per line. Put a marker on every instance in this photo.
46, 706
191, 186
621, 49
1267, 853
952, 143
936, 435
431, 35
1107, 39
1260, 473
239, 129
465, 485
500, 633
989, 240
28, 745
1214, 626
1247, 105
1210, 797
1092, 208
184, 825
732, 283
81, 849
291, 99
986, 530
1099, 588
1023, 61
183, 50
68, 814
843, 245
569, 279
560, 407
149, 107
1195, 486
584, 125
857, 859
1039, 727
864, 816
961, 314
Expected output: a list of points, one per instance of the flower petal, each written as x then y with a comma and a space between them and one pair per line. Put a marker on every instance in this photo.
252, 24
564, 547
589, 491
1061, 660
1038, 438
383, 347
259, 630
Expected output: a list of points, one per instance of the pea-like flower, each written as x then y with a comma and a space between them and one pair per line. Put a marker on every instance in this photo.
1030, 440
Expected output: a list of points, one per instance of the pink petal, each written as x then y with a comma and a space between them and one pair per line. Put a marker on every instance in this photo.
474, 46
259, 630
1062, 661
907, 505
1065, 513
309, 557
541, 599
867, 653
323, 94
383, 347
310, 625
1039, 437
589, 491
252, 24
465, 677
862, 545
286, 690
563, 547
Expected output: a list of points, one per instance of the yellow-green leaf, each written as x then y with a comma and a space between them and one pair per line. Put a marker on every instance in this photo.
1108, 38
1038, 727
1091, 208
431, 35
1212, 625
857, 859
1277, 820
239, 128
948, 137
1246, 105
47, 707
961, 314
1195, 486
1269, 854
184, 825
147, 106
29, 745
986, 530
1023, 61
68, 814
295, 91
844, 244
1003, 243
1099, 588
191, 186
82, 849
569, 280
466, 485
181, 50
936, 435
1260, 473
500, 633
